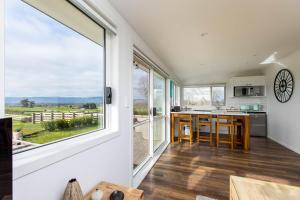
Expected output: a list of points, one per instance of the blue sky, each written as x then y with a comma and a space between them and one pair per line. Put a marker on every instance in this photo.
45, 58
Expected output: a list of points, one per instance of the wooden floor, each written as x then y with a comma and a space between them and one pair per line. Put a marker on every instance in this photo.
183, 171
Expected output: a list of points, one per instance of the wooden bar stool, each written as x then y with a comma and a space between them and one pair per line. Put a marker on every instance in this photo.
185, 120
225, 121
204, 120
238, 137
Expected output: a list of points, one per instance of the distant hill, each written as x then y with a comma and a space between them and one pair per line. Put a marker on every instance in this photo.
55, 100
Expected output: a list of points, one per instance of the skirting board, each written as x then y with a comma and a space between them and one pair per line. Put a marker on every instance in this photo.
285, 145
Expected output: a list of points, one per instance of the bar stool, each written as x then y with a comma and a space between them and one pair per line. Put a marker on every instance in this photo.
238, 137
185, 120
204, 120
225, 121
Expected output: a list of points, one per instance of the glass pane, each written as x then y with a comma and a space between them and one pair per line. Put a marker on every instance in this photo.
54, 78
66, 13
158, 132
174, 95
159, 104
140, 144
177, 96
140, 94
159, 95
194, 97
218, 96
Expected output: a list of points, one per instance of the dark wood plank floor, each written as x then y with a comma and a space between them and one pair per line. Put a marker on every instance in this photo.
184, 171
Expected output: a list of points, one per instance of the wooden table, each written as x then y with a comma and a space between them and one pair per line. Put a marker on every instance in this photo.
108, 188
252, 189
244, 116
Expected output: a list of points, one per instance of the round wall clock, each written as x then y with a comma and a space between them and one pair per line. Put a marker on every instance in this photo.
284, 85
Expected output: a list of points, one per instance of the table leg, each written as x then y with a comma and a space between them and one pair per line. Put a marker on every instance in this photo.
246, 133
172, 128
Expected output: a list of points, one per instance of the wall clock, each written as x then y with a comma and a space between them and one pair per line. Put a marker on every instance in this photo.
284, 85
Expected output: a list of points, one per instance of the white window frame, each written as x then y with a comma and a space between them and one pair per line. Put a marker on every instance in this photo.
35, 159
140, 166
152, 153
2, 78
105, 75
176, 95
210, 86
164, 116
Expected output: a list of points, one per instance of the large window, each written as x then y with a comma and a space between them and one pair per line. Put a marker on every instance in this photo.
175, 99
141, 114
218, 95
204, 96
159, 113
149, 118
54, 72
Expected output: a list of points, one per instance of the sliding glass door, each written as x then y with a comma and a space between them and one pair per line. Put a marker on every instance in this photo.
141, 115
159, 119
149, 131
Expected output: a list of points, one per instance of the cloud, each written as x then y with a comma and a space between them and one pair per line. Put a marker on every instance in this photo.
45, 58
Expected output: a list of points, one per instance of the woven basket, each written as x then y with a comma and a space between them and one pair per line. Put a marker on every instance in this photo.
73, 191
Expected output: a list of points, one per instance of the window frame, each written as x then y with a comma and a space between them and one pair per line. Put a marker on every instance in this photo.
148, 64
176, 89
38, 158
211, 87
2, 71
211, 96
178, 95
34, 159
106, 107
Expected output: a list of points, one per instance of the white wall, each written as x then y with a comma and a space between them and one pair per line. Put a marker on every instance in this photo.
109, 161
283, 118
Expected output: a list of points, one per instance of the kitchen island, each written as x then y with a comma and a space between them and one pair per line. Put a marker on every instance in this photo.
245, 117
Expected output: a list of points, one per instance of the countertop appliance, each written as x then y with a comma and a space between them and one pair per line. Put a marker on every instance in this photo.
176, 109
6, 158
258, 123
249, 91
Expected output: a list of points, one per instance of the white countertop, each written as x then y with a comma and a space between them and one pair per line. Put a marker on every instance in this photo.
221, 112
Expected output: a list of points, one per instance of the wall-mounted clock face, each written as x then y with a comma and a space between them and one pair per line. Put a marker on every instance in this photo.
284, 85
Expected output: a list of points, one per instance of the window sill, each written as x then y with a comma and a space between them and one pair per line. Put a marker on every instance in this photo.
36, 159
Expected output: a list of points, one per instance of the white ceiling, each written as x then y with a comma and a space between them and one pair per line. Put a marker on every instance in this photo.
209, 41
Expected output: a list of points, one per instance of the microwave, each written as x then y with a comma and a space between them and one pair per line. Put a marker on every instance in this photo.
249, 91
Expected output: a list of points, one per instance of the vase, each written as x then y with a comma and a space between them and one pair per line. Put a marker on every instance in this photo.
73, 191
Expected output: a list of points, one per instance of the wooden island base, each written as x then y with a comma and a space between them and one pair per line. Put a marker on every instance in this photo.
244, 116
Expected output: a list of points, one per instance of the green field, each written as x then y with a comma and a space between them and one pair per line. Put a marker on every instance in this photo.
46, 136
27, 128
35, 133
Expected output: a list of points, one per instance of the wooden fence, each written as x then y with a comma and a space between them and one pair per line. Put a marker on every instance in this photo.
50, 116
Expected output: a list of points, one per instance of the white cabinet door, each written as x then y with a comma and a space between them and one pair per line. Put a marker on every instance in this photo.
248, 81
